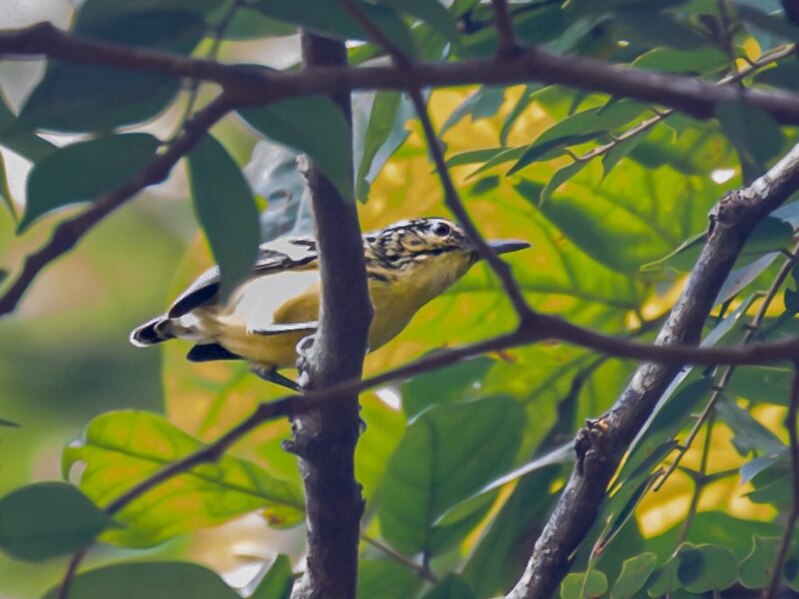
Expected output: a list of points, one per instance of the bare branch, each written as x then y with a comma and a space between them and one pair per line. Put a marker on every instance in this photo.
69, 232
504, 25
790, 526
726, 375
325, 438
601, 444
247, 85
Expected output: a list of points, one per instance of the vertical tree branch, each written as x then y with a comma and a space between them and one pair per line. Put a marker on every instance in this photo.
325, 439
790, 526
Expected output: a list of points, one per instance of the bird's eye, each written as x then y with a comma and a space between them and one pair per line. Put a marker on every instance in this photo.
441, 229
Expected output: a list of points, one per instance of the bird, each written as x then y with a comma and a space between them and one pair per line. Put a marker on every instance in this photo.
408, 264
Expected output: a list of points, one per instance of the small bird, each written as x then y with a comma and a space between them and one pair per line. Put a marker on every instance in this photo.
407, 264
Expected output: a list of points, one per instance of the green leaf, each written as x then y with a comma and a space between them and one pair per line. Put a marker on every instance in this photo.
483, 103
763, 384
755, 134
518, 109
452, 587
757, 567
559, 178
447, 454
664, 580
5, 192
621, 149
579, 128
149, 580
671, 60
431, 12
3, 421
666, 424
76, 97
17, 139
706, 568
634, 574
749, 434
45, 520
120, 449
83, 171
385, 579
314, 125
784, 75
584, 584
276, 583
385, 132
631, 217
499, 558
771, 234
459, 382
226, 210
327, 17
698, 149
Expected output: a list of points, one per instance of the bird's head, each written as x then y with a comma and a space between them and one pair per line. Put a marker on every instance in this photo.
428, 254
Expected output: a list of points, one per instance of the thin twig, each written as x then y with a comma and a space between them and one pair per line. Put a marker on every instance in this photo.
72, 570
69, 232
700, 482
507, 39
727, 372
217, 34
416, 568
787, 537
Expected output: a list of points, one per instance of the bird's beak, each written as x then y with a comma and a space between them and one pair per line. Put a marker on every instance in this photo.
504, 246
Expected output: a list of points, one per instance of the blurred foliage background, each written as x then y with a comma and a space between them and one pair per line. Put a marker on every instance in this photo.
611, 193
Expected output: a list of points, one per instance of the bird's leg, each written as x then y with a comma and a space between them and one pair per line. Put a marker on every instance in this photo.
273, 376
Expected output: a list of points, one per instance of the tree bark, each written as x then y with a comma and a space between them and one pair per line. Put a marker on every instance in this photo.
325, 439
601, 444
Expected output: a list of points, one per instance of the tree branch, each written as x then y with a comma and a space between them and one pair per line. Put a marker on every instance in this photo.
790, 526
504, 25
67, 234
601, 444
247, 85
325, 438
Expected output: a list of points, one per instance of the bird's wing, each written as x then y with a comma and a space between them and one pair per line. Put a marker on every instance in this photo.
293, 327
274, 256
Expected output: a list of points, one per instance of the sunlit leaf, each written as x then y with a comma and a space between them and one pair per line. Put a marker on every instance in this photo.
120, 449
226, 209
60, 178
147, 580
45, 520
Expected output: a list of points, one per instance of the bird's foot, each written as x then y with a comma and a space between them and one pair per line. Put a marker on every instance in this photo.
273, 376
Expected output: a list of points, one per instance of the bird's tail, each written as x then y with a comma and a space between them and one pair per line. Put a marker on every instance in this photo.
157, 330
